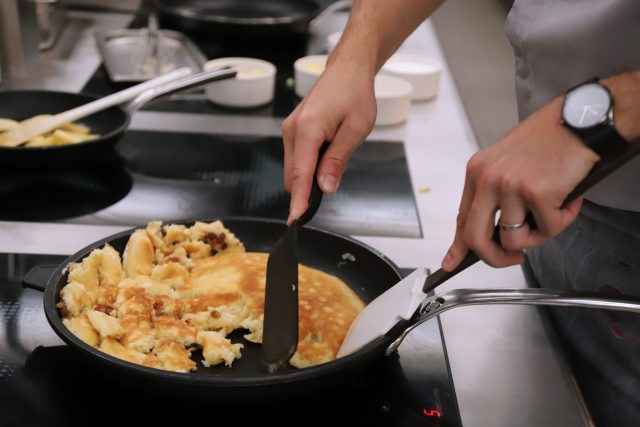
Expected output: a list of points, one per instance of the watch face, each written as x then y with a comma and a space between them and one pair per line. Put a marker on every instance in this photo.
586, 105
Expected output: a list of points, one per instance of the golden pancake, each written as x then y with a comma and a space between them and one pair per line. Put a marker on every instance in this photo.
327, 306
177, 287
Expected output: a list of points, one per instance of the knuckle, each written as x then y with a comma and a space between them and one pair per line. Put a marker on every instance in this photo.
474, 164
509, 184
305, 117
360, 126
488, 178
532, 193
297, 173
287, 125
460, 221
337, 161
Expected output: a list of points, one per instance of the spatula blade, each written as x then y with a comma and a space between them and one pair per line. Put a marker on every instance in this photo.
398, 303
280, 332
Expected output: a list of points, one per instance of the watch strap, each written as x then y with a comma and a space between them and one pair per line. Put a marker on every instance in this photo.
604, 140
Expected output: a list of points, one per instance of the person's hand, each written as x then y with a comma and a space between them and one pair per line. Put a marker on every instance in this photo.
531, 168
340, 108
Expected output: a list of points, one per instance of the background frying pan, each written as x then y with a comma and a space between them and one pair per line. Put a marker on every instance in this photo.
238, 19
110, 124
369, 275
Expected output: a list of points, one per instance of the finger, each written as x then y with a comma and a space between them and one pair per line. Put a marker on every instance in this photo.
555, 221
513, 212
288, 137
287, 140
303, 165
479, 229
458, 248
349, 136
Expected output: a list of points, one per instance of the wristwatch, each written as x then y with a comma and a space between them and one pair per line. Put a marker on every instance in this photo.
587, 111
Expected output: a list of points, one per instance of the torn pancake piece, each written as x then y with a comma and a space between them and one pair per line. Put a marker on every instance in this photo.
217, 349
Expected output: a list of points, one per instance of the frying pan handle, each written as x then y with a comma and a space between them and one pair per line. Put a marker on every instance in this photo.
437, 304
38, 276
603, 168
188, 82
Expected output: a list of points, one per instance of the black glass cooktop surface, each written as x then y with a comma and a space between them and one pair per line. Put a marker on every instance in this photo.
63, 193
176, 176
43, 382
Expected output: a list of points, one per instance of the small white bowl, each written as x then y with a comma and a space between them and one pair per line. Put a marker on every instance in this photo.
393, 98
421, 71
332, 40
253, 86
307, 71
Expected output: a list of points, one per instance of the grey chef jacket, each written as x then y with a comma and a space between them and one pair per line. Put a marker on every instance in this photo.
561, 43
558, 44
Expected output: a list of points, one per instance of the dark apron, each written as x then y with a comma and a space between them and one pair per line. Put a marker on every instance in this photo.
600, 251
560, 43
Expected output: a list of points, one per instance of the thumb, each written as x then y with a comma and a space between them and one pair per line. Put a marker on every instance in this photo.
334, 161
456, 253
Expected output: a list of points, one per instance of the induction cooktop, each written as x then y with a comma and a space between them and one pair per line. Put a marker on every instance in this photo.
43, 382
173, 176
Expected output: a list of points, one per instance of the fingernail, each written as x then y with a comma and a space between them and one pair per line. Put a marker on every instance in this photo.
447, 260
293, 214
328, 184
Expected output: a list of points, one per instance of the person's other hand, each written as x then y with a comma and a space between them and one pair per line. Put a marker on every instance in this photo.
531, 168
340, 108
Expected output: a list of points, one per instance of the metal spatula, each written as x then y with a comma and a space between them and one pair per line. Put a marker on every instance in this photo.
280, 332
402, 300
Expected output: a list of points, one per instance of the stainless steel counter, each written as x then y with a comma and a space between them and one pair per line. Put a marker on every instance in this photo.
506, 369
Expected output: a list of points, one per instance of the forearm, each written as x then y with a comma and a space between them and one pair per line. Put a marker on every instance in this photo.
626, 92
376, 28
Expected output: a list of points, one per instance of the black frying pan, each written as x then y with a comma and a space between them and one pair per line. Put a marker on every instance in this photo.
369, 275
110, 124
238, 18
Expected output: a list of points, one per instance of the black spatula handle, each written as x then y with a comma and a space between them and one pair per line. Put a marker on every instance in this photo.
601, 169
315, 197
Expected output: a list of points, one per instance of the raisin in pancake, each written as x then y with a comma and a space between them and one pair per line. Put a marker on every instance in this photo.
327, 306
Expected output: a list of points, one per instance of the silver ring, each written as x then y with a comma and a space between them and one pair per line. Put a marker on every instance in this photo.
511, 227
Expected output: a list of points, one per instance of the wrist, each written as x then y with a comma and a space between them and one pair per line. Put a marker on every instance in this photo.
626, 110
353, 60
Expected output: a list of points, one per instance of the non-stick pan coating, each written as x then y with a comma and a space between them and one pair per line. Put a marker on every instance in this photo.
369, 275
110, 124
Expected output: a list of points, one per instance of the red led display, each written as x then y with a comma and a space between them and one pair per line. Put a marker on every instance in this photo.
431, 413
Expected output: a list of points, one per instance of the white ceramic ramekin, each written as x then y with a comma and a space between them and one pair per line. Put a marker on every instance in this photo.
332, 40
307, 71
393, 98
421, 71
253, 86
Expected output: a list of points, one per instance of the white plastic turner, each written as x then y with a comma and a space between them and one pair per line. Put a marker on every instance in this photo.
32, 128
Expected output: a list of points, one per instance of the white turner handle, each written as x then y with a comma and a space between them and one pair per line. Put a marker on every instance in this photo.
31, 129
